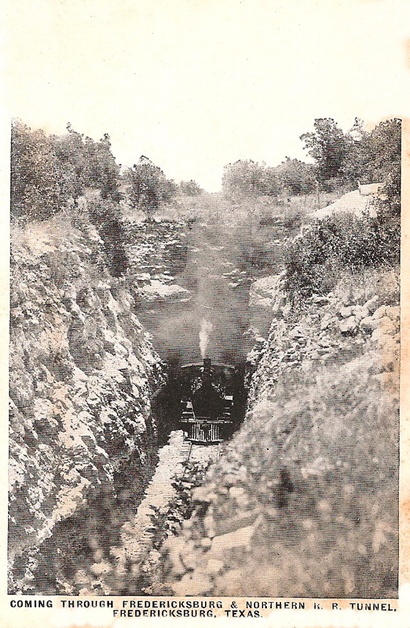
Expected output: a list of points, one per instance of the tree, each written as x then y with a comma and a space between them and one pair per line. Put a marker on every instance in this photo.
356, 165
47, 171
87, 164
247, 179
69, 149
148, 187
385, 148
190, 188
296, 176
328, 146
270, 184
101, 170
37, 192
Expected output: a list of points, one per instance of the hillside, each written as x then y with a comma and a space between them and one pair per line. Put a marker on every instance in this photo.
82, 373
304, 501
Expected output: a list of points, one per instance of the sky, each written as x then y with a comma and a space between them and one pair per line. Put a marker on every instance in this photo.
197, 84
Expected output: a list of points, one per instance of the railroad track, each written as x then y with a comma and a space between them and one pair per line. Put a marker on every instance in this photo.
137, 536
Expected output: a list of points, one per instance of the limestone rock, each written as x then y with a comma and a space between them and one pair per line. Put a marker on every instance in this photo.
348, 327
372, 304
214, 566
368, 324
80, 367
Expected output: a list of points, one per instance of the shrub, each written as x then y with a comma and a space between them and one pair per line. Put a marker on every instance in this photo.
343, 241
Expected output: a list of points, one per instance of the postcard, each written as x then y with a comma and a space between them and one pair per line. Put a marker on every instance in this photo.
205, 313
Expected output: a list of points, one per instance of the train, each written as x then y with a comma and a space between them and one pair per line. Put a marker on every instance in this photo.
207, 401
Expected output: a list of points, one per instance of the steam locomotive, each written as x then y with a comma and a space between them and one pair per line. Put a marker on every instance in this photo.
207, 393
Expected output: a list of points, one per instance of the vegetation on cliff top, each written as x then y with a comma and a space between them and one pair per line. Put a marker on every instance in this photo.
314, 469
304, 503
340, 160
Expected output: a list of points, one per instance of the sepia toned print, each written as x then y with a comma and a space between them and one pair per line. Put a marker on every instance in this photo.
205, 319
204, 387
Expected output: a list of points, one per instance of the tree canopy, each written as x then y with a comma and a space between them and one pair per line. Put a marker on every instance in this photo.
148, 186
328, 146
190, 188
48, 171
88, 164
295, 176
247, 179
37, 188
356, 155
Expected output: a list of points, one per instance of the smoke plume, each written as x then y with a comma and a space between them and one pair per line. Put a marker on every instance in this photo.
206, 329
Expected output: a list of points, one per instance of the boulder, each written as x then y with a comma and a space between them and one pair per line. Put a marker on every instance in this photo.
238, 538
372, 304
197, 583
264, 291
214, 566
348, 327
368, 324
159, 291
346, 311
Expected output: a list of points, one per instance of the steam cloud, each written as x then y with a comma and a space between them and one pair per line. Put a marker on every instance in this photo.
217, 273
206, 329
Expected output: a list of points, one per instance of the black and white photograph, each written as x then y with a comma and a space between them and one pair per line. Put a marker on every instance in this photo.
204, 316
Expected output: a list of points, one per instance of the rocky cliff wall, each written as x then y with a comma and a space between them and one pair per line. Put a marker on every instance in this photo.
82, 372
304, 500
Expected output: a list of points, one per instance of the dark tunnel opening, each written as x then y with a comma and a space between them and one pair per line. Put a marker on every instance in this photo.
207, 399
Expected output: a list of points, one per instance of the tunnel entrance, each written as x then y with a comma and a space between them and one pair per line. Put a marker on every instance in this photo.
206, 400
212, 317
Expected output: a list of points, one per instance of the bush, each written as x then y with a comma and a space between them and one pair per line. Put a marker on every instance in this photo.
314, 260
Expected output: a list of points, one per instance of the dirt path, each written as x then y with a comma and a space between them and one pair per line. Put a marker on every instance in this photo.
137, 535
351, 202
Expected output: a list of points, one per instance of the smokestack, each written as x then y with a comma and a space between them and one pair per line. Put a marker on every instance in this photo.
207, 368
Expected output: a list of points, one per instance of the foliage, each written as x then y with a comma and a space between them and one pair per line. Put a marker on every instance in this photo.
69, 150
385, 148
49, 172
356, 155
148, 187
343, 241
106, 216
327, 146
357, 162
190, 188
87, 164
340, 159
37, 192
296, 176
249, 179
386, 155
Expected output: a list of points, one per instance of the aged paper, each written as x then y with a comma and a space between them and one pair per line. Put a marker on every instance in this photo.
77, 62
